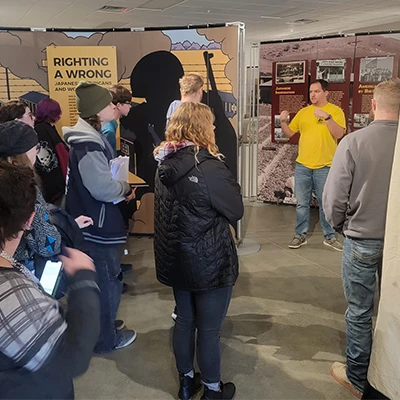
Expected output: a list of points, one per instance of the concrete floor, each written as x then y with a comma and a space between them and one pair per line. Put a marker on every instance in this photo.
284, 328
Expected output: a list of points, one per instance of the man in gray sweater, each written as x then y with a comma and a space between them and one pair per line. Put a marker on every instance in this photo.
355, 203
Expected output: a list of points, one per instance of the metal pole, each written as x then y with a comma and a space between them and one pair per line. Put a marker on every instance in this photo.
240, 113
8, 85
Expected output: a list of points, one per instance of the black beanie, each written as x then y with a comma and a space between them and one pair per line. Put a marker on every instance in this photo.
16, 138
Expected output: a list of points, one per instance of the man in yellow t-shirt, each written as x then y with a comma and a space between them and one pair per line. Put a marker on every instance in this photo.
320, 125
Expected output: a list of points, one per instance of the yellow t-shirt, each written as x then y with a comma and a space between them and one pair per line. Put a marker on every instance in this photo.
317, 145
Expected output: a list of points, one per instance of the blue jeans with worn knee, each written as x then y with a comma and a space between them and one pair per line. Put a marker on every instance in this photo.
305, 180
362, 261
204, 311
107, 260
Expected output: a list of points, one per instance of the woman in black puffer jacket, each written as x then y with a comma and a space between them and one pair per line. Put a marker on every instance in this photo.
196, 198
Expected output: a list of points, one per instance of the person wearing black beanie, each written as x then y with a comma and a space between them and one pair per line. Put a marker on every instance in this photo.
18, 143
17, 138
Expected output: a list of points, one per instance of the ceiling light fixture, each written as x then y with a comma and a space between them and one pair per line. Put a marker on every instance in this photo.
302, 21
269, 17
159, 5
114, 10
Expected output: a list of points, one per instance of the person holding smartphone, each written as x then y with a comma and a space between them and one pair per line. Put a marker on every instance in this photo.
18, 146
41, 349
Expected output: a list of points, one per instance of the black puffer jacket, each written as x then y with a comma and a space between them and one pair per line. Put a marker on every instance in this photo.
194, 204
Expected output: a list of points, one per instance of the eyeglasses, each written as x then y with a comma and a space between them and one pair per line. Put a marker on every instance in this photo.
125, 102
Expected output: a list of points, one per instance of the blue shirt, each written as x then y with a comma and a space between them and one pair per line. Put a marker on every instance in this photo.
171, 109
110, 132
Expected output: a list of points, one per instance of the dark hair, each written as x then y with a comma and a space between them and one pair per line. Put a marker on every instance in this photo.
120, 94
94, 122
323, 83
17, 199
48, 110
12, 110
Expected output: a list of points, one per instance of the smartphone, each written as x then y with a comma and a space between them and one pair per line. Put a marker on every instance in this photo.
51, 276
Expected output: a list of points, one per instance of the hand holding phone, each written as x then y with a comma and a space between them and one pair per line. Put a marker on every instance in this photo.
51, 276
75, 260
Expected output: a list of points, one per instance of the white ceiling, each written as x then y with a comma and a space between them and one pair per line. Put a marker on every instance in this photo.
265, 19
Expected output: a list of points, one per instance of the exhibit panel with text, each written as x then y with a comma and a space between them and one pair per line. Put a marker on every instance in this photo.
34, 65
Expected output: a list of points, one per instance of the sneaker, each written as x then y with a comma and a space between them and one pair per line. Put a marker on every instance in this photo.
189, 386
119, 325
338, 371
333, 244
226, 392
126, 268
127, 338
297, 242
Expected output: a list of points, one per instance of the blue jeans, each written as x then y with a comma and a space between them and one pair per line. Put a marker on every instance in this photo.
362, 261
305, 180
205, 311
107, 260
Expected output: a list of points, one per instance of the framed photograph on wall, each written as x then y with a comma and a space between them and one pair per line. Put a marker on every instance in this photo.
361, 120
376, 69
333, 71
290, 72
279, 135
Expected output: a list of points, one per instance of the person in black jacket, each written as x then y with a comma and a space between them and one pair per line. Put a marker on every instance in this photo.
41, 348
196, 197
52, 152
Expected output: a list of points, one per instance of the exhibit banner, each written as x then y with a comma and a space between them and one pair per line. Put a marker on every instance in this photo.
290, 93
34, 65
337, 73
68, 65
368, 73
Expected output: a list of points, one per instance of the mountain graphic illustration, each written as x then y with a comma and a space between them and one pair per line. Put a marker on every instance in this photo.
187, 45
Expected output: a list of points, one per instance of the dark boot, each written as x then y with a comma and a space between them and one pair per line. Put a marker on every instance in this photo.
227, 392
189, 386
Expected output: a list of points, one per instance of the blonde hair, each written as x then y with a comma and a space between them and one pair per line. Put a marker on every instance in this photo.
190, 83
387, 95
192, 122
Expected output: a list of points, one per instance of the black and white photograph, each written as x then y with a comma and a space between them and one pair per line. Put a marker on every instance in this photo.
290, 72
376, 69
280, 136
361, 120
333, 71
278, 121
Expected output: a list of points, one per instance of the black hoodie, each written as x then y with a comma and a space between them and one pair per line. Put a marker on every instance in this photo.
195, 200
